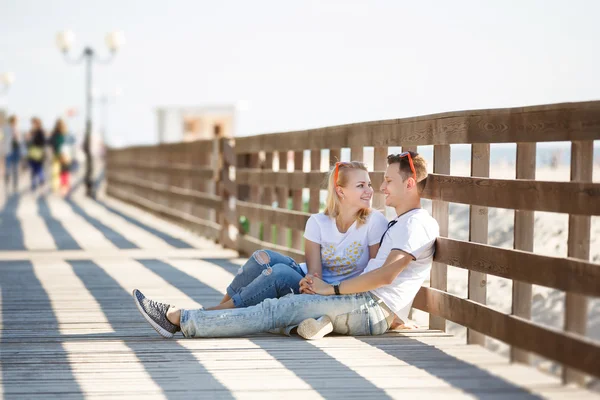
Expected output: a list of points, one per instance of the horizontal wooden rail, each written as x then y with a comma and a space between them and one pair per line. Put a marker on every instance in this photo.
281, 217
567, 274
572, 350
523, 194
199, 198
197, 146
199, 172
549, 123
281, 179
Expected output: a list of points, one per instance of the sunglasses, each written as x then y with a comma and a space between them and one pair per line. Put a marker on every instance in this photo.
337, 171
410, 161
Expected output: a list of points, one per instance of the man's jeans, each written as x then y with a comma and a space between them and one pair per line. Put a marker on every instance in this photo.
266, 275
12, 168
352, 314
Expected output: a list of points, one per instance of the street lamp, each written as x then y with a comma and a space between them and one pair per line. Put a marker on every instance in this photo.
6, 79
65, 40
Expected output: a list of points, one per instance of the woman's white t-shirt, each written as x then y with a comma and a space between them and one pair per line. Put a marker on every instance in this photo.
344, 255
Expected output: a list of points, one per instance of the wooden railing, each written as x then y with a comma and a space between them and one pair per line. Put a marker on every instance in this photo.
209, 185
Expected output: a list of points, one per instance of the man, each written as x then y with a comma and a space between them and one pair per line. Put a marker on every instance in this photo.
11, 150
364, 305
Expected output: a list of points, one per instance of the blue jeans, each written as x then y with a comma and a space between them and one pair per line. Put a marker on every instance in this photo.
12, 168
353, 314
266, 275
37, 173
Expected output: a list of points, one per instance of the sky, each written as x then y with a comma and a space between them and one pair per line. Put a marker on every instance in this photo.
300, 64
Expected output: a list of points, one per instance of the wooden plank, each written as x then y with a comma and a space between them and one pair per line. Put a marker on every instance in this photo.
357, 153
179, 168
268, 198
227, 151
379, 164
582, 159
335, 155
315, 194
567, 274
572, 350
547, 123
282, 198
439, 211
478, 232
281, 217
171, 192
283, 179
255, 190
524, 230
559, 197
297, 238
227, 217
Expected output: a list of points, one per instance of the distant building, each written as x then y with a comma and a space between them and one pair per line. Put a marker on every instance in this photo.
177, 124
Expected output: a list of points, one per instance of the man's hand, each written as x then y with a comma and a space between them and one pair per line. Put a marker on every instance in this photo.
314, 285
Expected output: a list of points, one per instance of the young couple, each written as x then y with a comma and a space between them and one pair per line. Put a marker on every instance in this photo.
361, 273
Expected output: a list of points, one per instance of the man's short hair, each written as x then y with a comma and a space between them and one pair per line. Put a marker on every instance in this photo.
419, 163
12, 119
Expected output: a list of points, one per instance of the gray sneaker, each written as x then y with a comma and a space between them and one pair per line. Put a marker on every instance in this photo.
156, 314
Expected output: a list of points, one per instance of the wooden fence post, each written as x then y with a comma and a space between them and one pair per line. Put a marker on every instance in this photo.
582, 164
297, 200
315, 194
282, 199
524, 231
439, 210
478, 233
379, 164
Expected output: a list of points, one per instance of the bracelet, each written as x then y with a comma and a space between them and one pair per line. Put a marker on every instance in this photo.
336, 289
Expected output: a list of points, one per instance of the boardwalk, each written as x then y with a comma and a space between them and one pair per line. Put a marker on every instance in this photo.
69, 329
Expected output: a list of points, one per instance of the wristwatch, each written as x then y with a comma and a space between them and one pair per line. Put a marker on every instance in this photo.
336, 288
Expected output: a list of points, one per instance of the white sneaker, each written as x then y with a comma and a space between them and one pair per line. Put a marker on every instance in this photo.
312, 329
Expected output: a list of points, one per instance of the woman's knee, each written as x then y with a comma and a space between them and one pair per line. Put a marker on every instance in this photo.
282, 274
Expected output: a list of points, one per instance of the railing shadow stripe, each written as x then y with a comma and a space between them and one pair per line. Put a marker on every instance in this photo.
24, 302
62, 237
11, 232
173, 241
115, 237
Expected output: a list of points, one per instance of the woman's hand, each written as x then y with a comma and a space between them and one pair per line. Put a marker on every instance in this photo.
314, 285
306, 284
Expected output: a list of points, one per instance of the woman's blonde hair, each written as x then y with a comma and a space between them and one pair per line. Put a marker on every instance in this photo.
338, 176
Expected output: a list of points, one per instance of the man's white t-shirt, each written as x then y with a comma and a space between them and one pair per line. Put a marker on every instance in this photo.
344, 255
414, 233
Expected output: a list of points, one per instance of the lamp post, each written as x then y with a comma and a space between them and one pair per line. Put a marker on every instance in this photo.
6, 79
65, 40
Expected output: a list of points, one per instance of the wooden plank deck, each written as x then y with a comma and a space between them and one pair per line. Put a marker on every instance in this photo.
70, 330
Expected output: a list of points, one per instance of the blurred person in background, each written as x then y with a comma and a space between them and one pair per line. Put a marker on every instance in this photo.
60, 141
11, 151
36, 153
